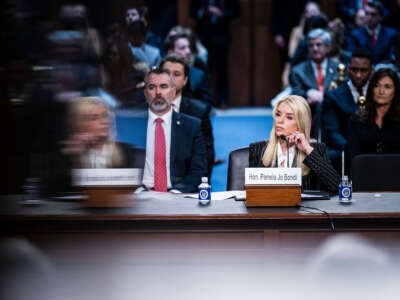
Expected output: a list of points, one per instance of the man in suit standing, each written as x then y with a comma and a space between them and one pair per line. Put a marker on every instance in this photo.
311, 78
175, 150
199, 80
340, 103
375, 37
179, 71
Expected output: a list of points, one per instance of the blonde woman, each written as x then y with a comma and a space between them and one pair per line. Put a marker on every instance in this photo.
292, 119
91, 141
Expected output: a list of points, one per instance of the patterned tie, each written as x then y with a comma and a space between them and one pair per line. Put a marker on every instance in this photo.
160, 164
320, 78
373, 38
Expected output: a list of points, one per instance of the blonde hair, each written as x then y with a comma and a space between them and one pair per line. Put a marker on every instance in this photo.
302, 114
80, 107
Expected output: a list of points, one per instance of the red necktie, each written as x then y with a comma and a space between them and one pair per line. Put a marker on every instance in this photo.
364, 2
160, 163
360, 91
373, 39
320, 78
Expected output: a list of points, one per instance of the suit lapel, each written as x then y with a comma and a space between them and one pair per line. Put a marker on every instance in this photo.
309, 74
175, 127
329, 74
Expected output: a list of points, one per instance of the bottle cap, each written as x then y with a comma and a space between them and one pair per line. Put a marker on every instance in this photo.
204, 179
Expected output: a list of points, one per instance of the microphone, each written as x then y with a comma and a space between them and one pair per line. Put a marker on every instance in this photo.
283, 137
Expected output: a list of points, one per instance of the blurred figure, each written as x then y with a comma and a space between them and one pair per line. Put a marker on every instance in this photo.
374, 36
394, 61
199, 84
213, 19
90, 143
125, 74
136, 27
375, 128
337, 31
311, 78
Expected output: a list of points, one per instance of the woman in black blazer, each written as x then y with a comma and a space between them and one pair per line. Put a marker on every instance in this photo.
292, 119
376, 128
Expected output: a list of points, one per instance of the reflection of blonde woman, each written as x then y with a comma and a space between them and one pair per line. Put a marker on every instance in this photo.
91, 143
292, 118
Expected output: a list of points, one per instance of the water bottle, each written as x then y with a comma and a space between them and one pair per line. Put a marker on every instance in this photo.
204, 191
345, 190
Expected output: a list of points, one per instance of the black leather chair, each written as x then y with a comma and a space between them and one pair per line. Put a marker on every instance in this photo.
139, 157
238, 161
375, 172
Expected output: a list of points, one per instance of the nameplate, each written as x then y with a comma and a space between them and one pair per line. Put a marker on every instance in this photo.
273, 176
107, 177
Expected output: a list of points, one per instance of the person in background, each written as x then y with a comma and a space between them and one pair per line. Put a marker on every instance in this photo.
374, 36
292, 118
199, 82
136, 28
375, 129
340, 103
311, 78
179, 71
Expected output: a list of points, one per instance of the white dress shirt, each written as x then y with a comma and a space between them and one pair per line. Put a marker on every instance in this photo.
148, 173
282, 157
376, 31
97, 158
177, 103
355, 92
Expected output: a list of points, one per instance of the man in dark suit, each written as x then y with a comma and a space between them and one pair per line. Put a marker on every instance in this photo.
199, 80
175, 150
374, 36
339, 104
179, 69
311, 78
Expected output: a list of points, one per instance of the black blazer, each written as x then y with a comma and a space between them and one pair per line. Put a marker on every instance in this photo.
321, 176
337, 108
188, 162
201, 110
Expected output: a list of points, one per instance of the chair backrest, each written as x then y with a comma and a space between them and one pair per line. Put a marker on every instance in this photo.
375, 172
238, 161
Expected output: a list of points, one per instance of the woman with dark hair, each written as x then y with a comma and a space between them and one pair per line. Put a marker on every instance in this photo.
376, 128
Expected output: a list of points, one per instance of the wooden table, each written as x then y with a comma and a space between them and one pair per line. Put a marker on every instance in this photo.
179, 238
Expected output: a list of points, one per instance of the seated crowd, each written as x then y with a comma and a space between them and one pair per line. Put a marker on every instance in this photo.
341, 93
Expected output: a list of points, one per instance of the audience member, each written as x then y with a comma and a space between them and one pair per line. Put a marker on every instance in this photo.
282, 22
199, 80
310, 78
348, 9
374, 36
338, 31
175, 151
292, 118
136, 28
394, 62
339, 104
375, 129
213, 18
179, 71
311, 8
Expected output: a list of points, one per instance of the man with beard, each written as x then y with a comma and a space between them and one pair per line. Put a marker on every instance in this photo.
339, 104
136, 29
175, 150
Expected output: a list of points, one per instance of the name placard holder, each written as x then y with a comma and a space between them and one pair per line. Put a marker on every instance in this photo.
267, 187
108, 187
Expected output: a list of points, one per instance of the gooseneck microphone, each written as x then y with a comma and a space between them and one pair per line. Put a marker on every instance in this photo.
283, 137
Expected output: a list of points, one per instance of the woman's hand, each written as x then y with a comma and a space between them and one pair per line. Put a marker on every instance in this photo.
300, 141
